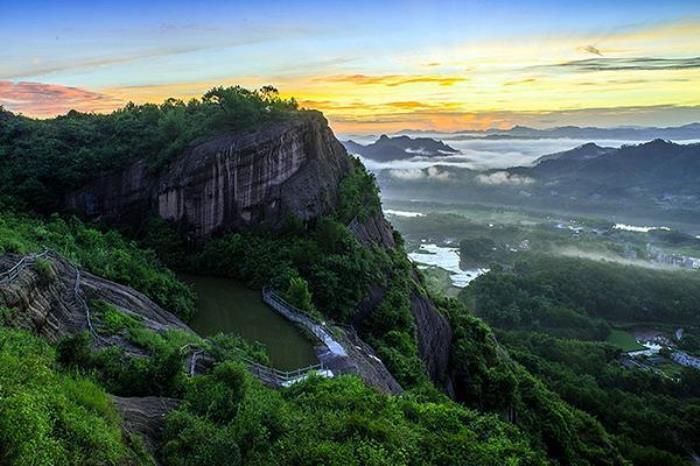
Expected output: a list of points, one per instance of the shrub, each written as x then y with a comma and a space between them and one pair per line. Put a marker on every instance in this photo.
50, 418
45, 269
106, 254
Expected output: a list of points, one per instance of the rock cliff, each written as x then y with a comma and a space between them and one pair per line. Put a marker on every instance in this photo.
433, 330
50, 303
291, 167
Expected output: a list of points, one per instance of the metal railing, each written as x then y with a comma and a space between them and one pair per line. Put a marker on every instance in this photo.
14, 271
269, 296
280, 375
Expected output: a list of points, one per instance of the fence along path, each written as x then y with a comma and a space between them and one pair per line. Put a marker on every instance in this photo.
332, 349
12, 273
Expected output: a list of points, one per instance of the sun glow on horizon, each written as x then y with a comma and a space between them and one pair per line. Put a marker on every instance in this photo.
632, 75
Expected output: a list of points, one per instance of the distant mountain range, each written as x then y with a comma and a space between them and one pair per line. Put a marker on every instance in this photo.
656, 178
686, 132
400, 147
657, 163
629, 133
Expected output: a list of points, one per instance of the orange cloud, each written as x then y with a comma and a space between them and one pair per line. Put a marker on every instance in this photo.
40, 99
392, 80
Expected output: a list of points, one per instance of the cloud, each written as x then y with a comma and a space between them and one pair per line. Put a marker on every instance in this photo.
123, 46
40, 99
520, 81
410, 104
392, 80
415, 174
455, 121
592, 49
628, 64
504, 178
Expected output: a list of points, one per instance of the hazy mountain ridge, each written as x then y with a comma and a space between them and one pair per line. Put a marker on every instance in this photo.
400, 147
633, 133
658, 178
658, 164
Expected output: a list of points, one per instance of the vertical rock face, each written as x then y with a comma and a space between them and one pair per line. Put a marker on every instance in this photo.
289, 168
434, 333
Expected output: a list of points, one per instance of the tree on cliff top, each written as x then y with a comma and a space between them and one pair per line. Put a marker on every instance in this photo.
42, 160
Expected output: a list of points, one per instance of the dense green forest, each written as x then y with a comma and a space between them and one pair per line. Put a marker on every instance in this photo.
578, 298
553, 315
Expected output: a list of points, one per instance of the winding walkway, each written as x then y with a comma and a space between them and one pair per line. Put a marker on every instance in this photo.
332, 355
12, 273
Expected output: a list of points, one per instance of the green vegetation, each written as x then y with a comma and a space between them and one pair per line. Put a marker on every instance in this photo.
623, 340
228, 417
358, 195
42, 160
113, 320
579, 298
121, 374
45, 269
535, 395
486, 379
105, 254
323, 267
653, 418
48, 417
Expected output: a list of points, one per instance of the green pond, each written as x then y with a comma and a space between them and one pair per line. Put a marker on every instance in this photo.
228, 306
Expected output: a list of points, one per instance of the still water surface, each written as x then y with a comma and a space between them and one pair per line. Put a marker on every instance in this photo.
228, 306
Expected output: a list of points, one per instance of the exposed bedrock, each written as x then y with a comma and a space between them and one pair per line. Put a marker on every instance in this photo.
51, 305
433, 331
289, 168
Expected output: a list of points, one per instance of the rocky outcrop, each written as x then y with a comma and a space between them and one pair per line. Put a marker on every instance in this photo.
369, 367
289, 168
373, 230
433, 331
50, 301
434, 336
145, 416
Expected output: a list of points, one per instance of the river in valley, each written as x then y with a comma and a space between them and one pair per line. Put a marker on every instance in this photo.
228, 306
446, 258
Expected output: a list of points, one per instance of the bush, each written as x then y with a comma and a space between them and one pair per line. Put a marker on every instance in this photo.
45, 270
159, 374
298, 295
105, 254
329, 421
50, 418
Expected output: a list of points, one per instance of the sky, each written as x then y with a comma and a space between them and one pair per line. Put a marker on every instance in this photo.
370, 66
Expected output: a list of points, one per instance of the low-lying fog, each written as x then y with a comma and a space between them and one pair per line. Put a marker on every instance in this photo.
485, 154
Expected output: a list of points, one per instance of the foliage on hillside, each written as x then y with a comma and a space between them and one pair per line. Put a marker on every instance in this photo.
485, 378
48, 417
229, 418
41, 160
653, 419
108, 255
325, 259
576, 298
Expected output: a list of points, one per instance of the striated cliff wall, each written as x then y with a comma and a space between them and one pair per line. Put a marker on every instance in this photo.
291, 167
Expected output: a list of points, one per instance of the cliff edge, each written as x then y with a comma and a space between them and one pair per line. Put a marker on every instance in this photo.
289, 168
